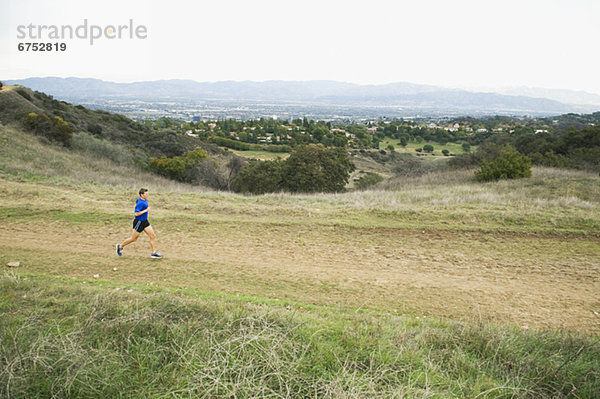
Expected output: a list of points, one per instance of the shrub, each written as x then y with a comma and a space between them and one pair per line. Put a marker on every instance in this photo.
445, 152
367, 180
24, 94
233, 144
277, 148
94, 129
550, 159
54, 128
510, 164
178, 167
428, 148
260, 177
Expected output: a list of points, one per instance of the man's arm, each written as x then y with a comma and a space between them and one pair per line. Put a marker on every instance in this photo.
141, 212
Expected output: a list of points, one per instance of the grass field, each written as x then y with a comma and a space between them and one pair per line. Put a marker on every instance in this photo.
436, 287
262, 155
411, 146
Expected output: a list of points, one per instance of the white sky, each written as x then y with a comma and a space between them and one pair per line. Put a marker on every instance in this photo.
452, 43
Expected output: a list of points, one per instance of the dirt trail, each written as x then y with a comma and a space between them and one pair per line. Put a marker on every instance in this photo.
531, 282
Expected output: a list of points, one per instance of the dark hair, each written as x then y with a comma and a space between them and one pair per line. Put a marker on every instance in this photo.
143, 190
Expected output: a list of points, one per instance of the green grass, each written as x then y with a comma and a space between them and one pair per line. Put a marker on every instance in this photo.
80, 338
410, 148
262, 155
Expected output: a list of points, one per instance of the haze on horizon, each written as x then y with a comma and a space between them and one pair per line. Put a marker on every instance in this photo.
465, 43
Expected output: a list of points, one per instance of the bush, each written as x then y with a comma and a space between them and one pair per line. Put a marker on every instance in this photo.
510, 164
260, 177
94, 129
53, 128
24, 94
550, 159
445, 152
367, 180
428, 148
233, 144
277, 148
178, 167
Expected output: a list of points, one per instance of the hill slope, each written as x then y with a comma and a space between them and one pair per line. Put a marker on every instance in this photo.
16, 102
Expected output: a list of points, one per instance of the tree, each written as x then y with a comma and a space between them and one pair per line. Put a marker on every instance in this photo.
310, 168
260, 177
314, 168
509, 164
428, 148
319, 132
367, 180
466, 147
179, 167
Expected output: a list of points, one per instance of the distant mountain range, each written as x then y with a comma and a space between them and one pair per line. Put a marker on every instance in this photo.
401, 94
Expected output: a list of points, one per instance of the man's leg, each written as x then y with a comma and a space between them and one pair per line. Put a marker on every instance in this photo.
150, 231
134, 236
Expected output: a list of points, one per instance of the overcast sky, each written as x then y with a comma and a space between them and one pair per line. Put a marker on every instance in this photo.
458, 43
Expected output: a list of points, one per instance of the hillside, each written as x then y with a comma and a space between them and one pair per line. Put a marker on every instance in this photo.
438, 286
16, 102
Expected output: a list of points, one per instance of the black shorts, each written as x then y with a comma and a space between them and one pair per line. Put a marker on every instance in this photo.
140, 225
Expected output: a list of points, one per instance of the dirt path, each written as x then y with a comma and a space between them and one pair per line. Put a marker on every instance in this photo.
528, 281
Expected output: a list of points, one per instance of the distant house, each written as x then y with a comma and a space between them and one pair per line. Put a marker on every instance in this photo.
541, 131
372, 130
482, 130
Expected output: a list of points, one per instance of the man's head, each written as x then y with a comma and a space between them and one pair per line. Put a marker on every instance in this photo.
144, 193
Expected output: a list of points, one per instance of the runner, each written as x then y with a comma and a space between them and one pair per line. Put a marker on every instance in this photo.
141, 223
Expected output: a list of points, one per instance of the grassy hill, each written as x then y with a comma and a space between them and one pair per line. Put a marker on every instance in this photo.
436, 286
16, 102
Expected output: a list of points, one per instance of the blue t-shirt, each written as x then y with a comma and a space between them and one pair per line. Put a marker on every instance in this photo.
140, 205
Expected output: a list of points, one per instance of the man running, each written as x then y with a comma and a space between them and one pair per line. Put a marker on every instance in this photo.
140, 223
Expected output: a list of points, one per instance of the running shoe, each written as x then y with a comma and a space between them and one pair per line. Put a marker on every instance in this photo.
156, 255
119, 250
